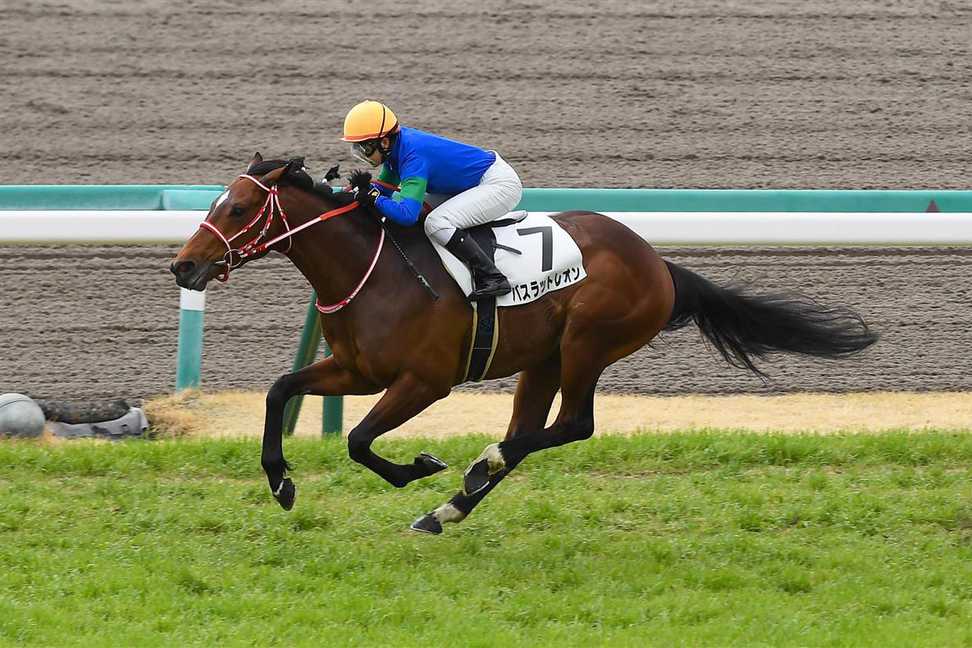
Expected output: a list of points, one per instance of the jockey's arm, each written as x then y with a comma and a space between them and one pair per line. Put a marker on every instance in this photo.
405, 205
386, 183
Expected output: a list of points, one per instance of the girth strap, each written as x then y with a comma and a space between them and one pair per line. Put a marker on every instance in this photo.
485, 337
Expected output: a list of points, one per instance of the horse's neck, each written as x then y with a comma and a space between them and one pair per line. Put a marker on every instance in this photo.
334, 255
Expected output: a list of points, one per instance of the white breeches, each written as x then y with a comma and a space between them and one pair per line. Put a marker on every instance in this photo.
497, 193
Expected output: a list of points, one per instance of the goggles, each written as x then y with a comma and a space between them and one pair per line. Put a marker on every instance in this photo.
364, 150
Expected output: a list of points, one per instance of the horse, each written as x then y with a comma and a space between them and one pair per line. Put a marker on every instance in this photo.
387, 332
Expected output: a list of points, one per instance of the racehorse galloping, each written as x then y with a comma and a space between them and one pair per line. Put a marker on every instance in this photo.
387, 333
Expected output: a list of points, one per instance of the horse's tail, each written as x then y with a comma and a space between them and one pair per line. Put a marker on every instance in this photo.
743, 327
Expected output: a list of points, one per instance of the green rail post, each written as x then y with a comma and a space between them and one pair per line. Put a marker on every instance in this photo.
310, 339
333, 415
192, 308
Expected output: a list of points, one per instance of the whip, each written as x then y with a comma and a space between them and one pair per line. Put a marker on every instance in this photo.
418, 275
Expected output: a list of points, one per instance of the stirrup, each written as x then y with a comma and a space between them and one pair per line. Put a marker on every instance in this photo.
498, 287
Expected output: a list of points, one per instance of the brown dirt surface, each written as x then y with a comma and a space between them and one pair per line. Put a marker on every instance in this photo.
101, 322
698, 93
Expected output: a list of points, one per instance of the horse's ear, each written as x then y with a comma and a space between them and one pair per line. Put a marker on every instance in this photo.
274, 176
257, 159
295, 164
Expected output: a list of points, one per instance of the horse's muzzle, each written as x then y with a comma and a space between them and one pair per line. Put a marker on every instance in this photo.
192, 275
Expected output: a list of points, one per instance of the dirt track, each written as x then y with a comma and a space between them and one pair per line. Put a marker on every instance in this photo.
692, 94
100, 322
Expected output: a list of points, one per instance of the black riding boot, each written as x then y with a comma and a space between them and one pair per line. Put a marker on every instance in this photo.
487, 280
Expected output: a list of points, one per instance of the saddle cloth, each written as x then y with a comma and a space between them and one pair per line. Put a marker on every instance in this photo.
532, 250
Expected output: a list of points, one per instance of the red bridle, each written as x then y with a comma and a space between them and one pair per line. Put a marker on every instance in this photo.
255, 247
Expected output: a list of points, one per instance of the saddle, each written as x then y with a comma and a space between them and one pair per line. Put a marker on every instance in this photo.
536, 255
534, 252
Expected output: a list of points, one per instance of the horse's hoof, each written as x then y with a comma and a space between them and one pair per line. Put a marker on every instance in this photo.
286, 493
431, 464
476, 478
428, 523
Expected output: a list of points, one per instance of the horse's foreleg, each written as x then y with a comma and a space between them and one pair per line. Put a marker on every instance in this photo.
404, 399
325, 378
535, 392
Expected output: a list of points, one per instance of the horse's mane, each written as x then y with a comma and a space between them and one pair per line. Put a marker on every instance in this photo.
297, 176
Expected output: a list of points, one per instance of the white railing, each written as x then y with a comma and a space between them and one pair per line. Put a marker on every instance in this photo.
660, 228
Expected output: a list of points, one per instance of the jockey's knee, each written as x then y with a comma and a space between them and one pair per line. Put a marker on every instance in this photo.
512, 189
513, 199
516, 188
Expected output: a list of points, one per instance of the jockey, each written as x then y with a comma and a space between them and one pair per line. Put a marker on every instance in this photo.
467, 185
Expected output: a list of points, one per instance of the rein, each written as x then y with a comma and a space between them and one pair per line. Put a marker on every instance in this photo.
235, 257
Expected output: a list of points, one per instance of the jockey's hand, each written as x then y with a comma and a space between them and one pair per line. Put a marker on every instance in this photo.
360, 180
367, 198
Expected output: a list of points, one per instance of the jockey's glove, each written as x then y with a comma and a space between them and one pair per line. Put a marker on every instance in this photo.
368, 198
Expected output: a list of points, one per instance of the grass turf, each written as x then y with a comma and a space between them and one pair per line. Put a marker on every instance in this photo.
693, 539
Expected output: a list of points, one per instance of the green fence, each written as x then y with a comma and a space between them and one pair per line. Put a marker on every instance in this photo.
199, 197
107, 197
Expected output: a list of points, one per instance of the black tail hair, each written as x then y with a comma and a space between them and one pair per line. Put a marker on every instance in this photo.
743, 327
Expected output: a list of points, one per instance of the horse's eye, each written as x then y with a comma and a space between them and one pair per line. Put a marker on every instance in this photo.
236, 211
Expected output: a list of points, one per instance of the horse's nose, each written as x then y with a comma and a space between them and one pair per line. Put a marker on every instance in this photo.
182, 269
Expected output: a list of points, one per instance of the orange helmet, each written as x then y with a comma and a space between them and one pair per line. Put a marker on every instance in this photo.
369, 120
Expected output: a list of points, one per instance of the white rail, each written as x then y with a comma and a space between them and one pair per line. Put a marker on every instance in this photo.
98, 226
793, 228
661, 228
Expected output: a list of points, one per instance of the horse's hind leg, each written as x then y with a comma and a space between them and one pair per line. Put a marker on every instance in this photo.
535, 392
575, 422
583, 358
610, 322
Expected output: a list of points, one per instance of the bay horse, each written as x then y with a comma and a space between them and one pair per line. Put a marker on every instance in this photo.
387, 332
